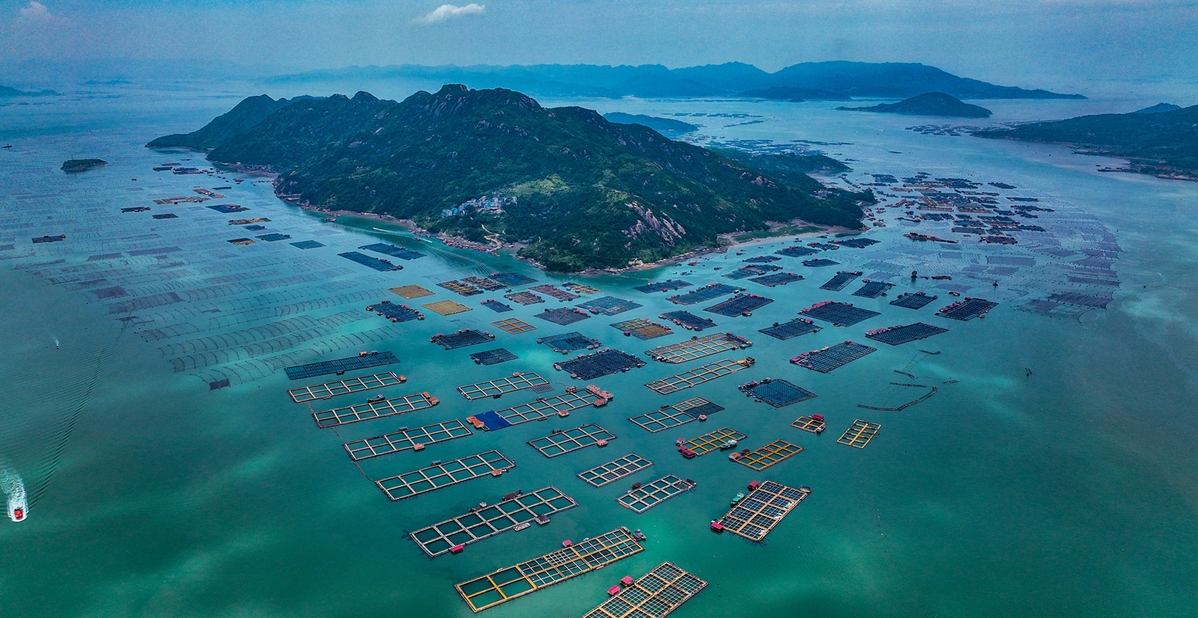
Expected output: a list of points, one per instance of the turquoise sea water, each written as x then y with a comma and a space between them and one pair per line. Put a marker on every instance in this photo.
1067, 493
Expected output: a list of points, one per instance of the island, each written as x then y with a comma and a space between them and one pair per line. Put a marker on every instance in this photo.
665, 126
927, 104
570, 189
74, 166
7, 92
1158, 108
1163, 143
795, 94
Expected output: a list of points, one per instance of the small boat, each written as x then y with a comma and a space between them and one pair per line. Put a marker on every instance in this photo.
638, 535
636, 485
717, 526
567, 543
457, 549
753, 484
613, 591
521, 526
740, 495
541, 520
729, 444
626, 580
377, 398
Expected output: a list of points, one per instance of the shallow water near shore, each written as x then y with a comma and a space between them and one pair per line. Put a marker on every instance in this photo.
1067, 492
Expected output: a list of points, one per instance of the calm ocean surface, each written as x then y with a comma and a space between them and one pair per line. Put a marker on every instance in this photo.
1070, 492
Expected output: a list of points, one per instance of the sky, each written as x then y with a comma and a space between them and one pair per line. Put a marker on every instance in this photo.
1050, 43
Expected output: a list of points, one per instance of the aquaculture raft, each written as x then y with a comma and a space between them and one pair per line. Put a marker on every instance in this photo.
518, 580
777, 393
328, 390
698, 347
917, 300
569, 440
481, 523
662, 286
548, 290
819, 263
855, 243
762, 259
562, 316
370, 262
599, 364
406, 439
394, 312
447, 307
839, 314
580, 288
773, 453
341, 365
482, 282
791, 329
613, 471
458, 287
741, 304
568, 342
707, 292
642, 329
524, 298
796, 251
393, 251
859, 434
967, 309
654, 595
654, 493
699, 375
670, 416
496, 306
461, 339
411, 291
807, 423
824, 360
269, 237
609, 305
545, 407
897, 335
445, 474
493, 357
713, 441
500, 386
763, 509
374, 409
688, 320
511, 279
873, 289
513, 326
777, 279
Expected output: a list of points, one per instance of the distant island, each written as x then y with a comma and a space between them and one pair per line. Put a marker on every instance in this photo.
927, 104
573, 189
1158, 108
1162, 144
665, 126
74, 166
6, 92
808, 80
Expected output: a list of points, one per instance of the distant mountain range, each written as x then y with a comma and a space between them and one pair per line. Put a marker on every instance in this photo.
809, 80
5, 92
928, 104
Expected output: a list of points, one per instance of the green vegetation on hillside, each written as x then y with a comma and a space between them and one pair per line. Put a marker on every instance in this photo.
662, 125
927, 104
248, 113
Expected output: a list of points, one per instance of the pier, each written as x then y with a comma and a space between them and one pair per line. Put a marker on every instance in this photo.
406, 439
773, 453
859, 434
763, 510
501, 386
341, 365
777, 393
810, 423
671, 416
697, 376
513, 326
698, 347
839, 314
569, 440
615, 470
328, 390
599, 364
688, 320
713, 441
791, 329
373, 409
898, 335
741, 304
654, 595
654, 493
642, 329
482, 523
826, 359
439, 475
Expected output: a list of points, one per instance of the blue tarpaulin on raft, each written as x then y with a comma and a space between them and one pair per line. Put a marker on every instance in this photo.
492, 420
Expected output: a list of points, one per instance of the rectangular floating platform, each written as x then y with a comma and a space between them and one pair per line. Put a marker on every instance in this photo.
171, 215
440, 475
797, 251
839, 314
369, 262
671, 416
570, 440
496, 306
394, 312
609, 305
482, 523
557, 566
274, 237
833, 357
873, 289
791, 329
856, 243
897, 335
580, 288
447, 307
328, 390
406, 439
136, 209
777, 279
654, 595
698, 347
568, 342
240, 242
807, 423
463, 338
513, 326
967, 309
457, 287
544, 407
393, 251
642, 329
654, 493
917, 300
511, 279
548, 290
615, 470
562, 316
762, 259
225, 208
307, 244
777, 393
524, 298
697, 376
705, 293
255, 227
411, 291
600, 364
372, 410
493, 357
501, 386
662, 286
819, 263
688, 320
763, 509
341, 365
489, 285
740, 305
713, 441
773, 453
859, 434
752, 270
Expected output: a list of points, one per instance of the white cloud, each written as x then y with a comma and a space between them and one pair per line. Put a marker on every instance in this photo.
36, 10
446, 11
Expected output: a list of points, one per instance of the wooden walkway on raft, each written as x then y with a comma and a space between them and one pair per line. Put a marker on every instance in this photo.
654, 595
713, 441
654, 493
773, 453
557, 566
697, 376
570, 440
513, 326
697, 347
681, 413
372, 410
763, 509
806, 423
859, 433
543, 408
482, 523
501, 386
441, 475
328, 390
406, 439
615, 470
